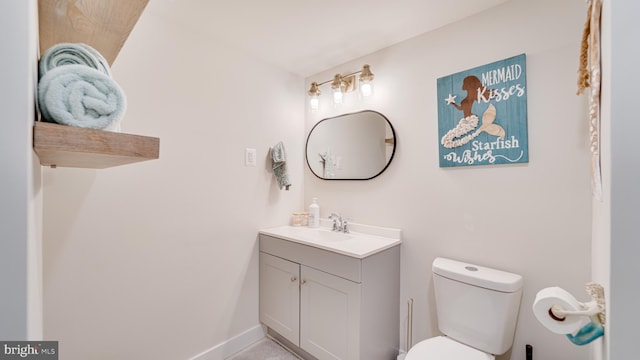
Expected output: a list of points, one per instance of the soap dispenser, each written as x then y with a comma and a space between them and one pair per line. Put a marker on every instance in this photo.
314, 213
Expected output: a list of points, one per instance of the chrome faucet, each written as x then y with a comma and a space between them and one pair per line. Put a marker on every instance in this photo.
339, 225
337, 221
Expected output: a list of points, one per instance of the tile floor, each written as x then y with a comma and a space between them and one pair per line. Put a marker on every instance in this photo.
264, 349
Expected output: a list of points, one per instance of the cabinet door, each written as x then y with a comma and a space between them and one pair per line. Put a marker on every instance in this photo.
280, 296
329, 316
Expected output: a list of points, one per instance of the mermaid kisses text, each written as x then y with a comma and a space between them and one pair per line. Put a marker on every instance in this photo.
482, 115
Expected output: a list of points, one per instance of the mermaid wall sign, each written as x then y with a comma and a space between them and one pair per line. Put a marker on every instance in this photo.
482, 115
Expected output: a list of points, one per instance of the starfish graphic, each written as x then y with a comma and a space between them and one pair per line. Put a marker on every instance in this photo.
450, 100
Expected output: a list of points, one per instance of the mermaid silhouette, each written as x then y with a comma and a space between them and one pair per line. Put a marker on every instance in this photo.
472, 86
464, 131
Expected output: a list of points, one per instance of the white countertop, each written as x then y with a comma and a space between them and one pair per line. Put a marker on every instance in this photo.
366, 241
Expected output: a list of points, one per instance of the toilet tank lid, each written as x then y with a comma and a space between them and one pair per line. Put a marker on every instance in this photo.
477, 275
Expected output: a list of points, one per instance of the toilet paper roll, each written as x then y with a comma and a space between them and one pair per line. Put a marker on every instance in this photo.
548, 297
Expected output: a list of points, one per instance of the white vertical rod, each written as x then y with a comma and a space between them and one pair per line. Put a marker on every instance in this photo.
409, 323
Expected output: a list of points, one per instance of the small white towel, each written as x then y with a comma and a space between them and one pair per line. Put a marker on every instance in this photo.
279, 158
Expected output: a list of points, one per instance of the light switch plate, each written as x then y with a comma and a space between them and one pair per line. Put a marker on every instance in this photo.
250, 157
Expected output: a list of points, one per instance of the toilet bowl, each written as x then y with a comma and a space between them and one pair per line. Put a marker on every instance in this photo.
477, 308
444, 348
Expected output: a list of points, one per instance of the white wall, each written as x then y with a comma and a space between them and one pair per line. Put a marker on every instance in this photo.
533, 219
158, 260
20, 183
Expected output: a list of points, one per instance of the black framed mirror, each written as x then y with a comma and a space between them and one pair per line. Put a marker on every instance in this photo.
354, 146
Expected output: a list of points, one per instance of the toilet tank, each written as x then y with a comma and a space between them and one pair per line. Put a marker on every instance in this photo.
476, 305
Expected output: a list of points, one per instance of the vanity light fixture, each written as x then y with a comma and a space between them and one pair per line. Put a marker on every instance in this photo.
341, 84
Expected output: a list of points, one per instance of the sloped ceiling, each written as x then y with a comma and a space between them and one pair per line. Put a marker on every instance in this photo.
306, 37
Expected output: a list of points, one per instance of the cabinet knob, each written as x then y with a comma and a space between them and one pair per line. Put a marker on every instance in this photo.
304, 282
293, 279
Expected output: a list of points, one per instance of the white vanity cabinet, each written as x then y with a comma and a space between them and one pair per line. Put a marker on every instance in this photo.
328, 305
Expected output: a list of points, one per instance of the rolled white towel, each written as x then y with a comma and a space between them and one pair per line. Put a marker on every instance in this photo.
78, 95
72, 54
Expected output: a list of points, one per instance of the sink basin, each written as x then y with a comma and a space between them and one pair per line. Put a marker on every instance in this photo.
320, 234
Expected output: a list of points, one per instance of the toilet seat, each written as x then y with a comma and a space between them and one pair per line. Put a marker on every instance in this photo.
444, 348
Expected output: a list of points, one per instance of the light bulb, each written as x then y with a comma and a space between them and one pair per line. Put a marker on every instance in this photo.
336, 87
366, 88
314, 92
314, 103
366, 79
337, 96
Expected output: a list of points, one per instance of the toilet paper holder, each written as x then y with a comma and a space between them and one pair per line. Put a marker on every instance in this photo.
594, 308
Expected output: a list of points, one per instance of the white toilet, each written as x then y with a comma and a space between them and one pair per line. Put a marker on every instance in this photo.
477, 312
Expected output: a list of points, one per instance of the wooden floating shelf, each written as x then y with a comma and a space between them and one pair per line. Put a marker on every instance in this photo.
104, 25
69, 146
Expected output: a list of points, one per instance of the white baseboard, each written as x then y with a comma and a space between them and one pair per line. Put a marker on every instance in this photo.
233, 345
